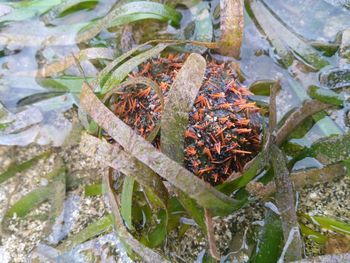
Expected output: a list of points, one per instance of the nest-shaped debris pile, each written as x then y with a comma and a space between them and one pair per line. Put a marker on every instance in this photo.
223, 132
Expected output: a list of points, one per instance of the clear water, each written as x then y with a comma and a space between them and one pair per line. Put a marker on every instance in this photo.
28, 45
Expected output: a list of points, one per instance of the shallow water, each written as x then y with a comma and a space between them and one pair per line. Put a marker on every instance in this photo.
28, 45
25, 49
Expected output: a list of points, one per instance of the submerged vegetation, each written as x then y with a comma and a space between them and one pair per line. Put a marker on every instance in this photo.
194, 110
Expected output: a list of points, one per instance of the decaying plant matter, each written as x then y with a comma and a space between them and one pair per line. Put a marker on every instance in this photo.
178, 98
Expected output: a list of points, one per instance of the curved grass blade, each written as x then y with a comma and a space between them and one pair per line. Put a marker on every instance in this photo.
286, 205
261, 87
104, 73
42, 194
137, 146
330, 223
28, 9
180, 100
253, 168
126, 201
13, 169
146, 254
127, 191
117, 17
115, 157
312, 234
301, 179
28, 202
66, 62
325, 96
96, 228
308, 109
69, 7
124, 69
38, 97
70, 84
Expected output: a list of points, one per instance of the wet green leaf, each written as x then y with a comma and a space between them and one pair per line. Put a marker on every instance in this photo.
76, 5
130, 242
156, 237
312, 234
28, 9
347, 165
331, 224
270, 244
39, 195
98, 227
126, 201
127, 13
13, 169
330, 150
327, 49
175, 211
30, 201
325, 95
93, 189
335, 78
258, 163
262, 87
71, 84
38, 97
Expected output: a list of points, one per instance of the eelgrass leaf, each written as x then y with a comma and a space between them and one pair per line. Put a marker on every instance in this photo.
270, 244
13, 169
93, 189
30, 201
102, 225
130, 12
126, 201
